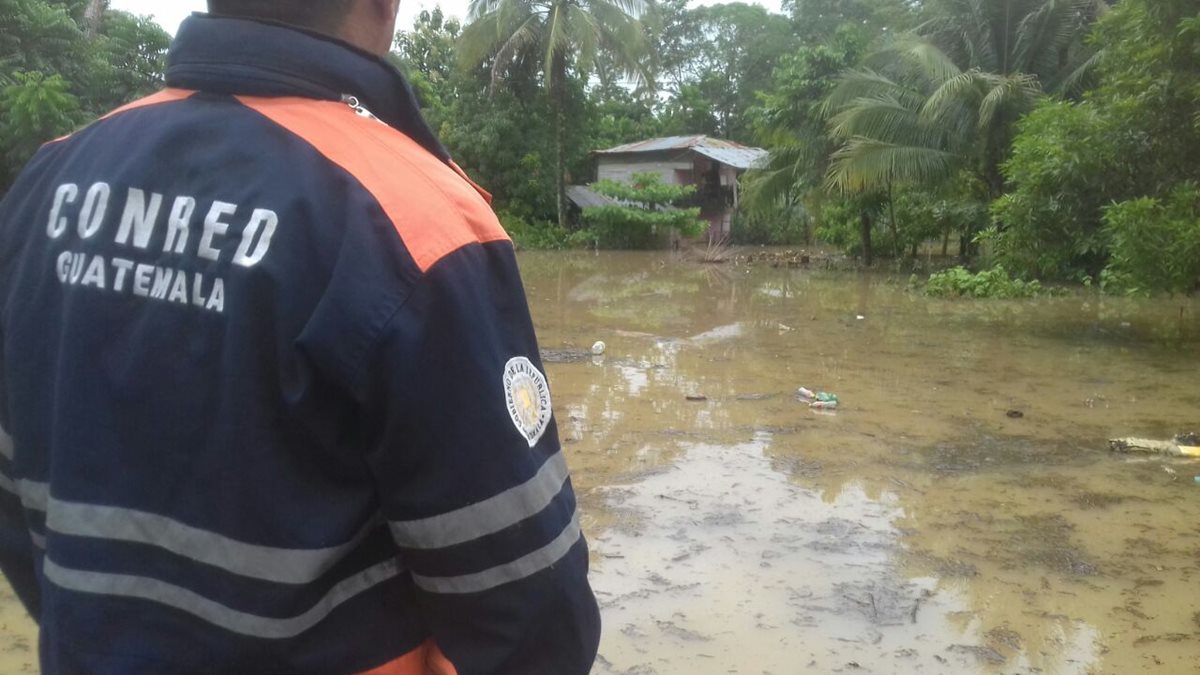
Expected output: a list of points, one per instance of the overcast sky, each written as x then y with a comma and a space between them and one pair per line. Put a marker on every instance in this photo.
169, 13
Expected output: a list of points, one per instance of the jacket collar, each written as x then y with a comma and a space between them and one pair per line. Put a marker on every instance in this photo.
245, 57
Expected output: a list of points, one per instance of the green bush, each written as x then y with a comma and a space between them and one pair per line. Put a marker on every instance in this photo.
774, 226
1155, 243
958, 282
532, 234
840, 226
1065, 166
644, 218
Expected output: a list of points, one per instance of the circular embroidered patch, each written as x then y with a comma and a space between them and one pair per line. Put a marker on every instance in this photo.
528, 398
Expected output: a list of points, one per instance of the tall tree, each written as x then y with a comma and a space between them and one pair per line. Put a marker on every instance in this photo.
791, 119
816, 21
947, 97
714, 61
427, 56
1110, 181
566, 34
62, 63
93, 15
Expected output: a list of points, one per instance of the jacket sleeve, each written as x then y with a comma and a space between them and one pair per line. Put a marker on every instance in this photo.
16, 545
471, 477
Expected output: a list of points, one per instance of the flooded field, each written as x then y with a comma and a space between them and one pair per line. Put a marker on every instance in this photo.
920, 528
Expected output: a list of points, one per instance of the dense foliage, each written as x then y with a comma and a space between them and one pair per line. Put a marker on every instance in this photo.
1106, 185
1058, 138
62, 65
648, 211
958, 282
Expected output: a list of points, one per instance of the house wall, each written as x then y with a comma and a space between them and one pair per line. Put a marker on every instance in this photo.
674, 168
717, 193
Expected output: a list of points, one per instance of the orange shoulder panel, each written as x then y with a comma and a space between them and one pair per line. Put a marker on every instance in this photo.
164, 96
424, 660
434, 208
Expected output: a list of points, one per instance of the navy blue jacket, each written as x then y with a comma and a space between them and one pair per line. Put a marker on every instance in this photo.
270, 396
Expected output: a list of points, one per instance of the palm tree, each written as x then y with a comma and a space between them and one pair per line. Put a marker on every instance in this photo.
564, 33
946, 98
792, 123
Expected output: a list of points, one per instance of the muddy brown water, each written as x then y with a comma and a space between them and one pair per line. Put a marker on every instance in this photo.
919, 529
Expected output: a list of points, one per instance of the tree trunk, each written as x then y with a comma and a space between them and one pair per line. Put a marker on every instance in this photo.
865, 222
92, 16
892, 223
946, 243
558, 86
815, 219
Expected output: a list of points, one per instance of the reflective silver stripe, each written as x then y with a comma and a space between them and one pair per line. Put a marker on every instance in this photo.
9, 486
14, 488
34, 496
280, 565
502, 574
145, 588
488, 516
6, 445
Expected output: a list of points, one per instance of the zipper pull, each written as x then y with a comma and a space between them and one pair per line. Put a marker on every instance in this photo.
358, 107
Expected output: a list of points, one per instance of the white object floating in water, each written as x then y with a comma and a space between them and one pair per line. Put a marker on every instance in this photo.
599, 347
860, 317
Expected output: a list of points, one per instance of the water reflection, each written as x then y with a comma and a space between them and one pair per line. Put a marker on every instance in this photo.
720, 565
1023, 544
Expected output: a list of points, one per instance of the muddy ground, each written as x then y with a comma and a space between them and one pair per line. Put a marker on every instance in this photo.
923, 527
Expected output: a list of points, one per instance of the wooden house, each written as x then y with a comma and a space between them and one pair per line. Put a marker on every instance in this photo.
712, 165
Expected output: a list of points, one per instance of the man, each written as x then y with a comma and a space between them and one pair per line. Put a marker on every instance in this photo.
270, 393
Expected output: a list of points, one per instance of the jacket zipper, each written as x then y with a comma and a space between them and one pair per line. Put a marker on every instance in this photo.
358, 107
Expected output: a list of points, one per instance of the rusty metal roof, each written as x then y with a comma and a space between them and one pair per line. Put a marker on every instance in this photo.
726, 152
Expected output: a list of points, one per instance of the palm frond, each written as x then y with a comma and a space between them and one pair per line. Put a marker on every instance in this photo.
881, 118
856, 84
960, 87
917, 56
865, 164
1019, 91
556, 40
524, 36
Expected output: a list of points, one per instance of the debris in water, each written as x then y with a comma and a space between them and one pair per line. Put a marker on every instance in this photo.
1148, 446
817, 400
565, 355
1189, 444
599, 348
696, 398
1015, 414
982, 654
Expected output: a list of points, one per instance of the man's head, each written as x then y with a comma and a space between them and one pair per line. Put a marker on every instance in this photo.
367, 24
